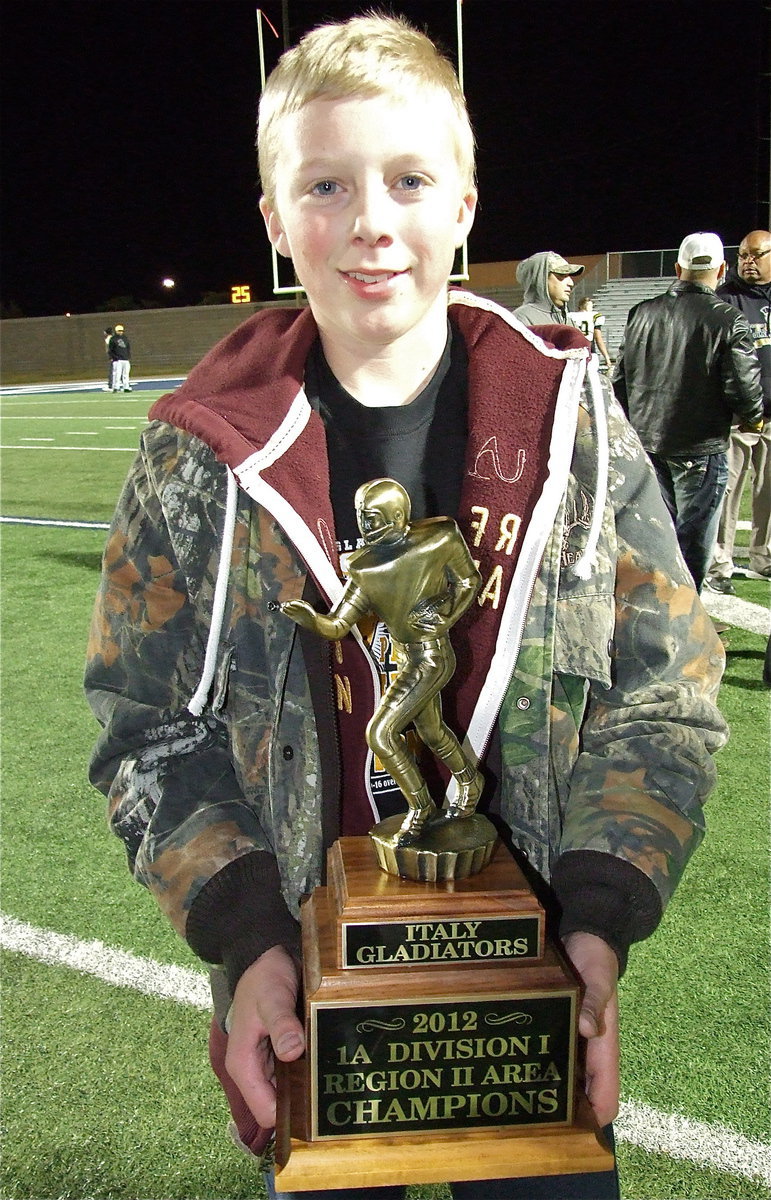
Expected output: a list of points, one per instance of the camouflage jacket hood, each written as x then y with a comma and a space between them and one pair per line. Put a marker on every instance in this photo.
602, 682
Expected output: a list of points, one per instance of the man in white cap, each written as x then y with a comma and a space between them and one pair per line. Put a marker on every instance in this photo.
547, 279
687, 364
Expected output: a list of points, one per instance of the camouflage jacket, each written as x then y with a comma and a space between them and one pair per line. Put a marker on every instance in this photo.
601, 683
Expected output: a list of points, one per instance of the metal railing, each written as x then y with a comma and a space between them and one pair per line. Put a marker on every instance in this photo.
652, 264
632, 264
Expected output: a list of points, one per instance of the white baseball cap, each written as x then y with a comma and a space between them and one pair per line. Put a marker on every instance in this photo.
701, 252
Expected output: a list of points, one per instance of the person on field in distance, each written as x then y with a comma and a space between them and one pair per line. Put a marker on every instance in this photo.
119, 350
107, 335
748, 287
685, 368
228, 766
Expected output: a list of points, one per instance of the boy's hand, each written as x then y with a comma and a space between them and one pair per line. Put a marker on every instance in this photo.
597, 966
264, 1026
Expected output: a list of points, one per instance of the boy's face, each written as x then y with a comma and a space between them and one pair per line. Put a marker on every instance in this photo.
371, 206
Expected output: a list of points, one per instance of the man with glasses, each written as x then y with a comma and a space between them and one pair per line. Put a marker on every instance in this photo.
748, 287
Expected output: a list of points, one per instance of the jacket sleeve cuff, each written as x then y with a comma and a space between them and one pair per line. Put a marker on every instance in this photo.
607, 896
241, 913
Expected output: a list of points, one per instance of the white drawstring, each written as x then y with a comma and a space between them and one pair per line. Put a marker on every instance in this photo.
588, 560
198, 701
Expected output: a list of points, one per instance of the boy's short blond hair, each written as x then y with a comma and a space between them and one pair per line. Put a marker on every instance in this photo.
365, 56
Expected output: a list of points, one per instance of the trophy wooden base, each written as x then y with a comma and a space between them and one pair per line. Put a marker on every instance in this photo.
441, 1033
479, 1154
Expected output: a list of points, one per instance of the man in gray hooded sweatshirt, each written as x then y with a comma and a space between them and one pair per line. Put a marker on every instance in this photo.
548, 281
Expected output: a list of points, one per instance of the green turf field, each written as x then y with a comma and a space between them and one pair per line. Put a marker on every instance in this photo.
106, 1089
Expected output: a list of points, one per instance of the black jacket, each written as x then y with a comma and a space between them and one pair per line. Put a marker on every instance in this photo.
754, 301
119, 347
686, 366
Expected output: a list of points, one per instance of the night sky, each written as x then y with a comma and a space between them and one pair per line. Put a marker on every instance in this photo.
128, 134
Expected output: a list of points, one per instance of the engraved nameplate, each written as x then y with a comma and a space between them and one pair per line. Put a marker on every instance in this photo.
449, 943
436, 1064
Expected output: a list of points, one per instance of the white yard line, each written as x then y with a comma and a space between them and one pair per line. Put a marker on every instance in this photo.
39, 401
50, 389
714, 1146
90, 417
138, 384
86, 449
49, 521
113, 966
753, 617
58, 401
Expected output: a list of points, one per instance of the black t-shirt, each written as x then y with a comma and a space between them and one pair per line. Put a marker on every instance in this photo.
421, 445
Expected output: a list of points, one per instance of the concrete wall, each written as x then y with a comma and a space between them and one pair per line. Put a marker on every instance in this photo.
167, 341
164, 341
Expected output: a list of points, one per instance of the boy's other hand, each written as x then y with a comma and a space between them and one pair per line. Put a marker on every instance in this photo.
263, 1027
597, 966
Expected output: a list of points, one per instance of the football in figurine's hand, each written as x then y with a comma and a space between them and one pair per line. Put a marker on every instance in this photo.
430, 613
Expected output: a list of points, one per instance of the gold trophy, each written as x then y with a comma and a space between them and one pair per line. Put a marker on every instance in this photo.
441, 1025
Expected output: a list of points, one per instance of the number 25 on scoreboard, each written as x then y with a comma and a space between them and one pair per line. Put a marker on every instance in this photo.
241, 294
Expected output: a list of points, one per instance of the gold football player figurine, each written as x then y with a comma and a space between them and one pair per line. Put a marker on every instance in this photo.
418, 578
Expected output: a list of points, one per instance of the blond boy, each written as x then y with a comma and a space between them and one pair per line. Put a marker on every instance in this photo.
219, 748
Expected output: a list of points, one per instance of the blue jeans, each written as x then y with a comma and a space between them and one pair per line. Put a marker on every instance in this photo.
589, 1185
693, 487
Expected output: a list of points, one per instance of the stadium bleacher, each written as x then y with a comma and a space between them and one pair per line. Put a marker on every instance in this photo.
615, 298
